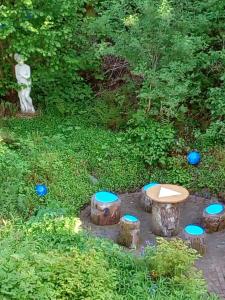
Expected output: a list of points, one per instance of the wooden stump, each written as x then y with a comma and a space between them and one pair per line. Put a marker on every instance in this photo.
214, 217
165, 219
166, 199
195, 237
146, 201
105, 208
129, 234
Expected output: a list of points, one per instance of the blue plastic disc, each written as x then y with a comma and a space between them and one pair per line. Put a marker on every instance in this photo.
194, 158
106, 197
149, 185
41, 190
194, 229
130, 218
214, 209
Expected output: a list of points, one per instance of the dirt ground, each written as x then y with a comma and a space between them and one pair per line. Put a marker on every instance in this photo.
212, 264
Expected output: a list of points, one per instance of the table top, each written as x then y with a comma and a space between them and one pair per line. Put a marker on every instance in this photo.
167, 193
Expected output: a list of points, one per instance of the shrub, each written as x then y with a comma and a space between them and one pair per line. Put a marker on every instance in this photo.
174, 261
151, 141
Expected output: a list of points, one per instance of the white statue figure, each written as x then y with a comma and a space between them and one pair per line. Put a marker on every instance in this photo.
23, 76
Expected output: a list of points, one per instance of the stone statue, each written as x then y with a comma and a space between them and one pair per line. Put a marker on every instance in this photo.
23, 76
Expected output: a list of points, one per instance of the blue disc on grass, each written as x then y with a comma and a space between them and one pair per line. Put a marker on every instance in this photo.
41, 190
149, 185
130, 218
194, 229
214, 209
106, 197
194, 158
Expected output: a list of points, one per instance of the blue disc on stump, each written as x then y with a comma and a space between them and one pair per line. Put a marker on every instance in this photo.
214, 209
130, 218
41, 190
194, 158
194, 229
149, 185
106, 197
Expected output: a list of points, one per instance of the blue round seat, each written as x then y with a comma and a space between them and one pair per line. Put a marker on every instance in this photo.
106, 197
105, 208
194, 229
214, 217
214, 209
130, 218
195, 237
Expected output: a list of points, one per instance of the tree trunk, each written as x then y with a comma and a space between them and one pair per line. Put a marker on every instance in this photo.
105, 213
213, 223
197, 242
129, 235
165, 218
146, 202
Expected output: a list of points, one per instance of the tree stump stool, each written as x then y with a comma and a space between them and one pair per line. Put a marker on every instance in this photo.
105, 208
195, 237
214, 217
146, 202
166, 199
129, 234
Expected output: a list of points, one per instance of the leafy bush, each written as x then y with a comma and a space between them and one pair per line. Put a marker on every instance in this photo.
174, 261
151, 141
50, 257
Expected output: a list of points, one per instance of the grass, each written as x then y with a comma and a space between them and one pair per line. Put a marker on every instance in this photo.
65, 155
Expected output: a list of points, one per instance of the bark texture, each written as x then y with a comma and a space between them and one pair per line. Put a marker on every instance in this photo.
105, 213
146, 201
197, 242
165, 218
213, 223
129, 235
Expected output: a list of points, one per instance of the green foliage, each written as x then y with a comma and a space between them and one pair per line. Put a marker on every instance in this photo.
151, 141
61, 154
50, 35
52, 258
174, 261
178, 50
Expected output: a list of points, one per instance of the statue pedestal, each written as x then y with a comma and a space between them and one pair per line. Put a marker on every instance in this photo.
27, 115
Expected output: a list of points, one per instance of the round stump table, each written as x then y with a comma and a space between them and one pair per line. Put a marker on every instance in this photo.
129, 234
105, 208
214, 217
166, 199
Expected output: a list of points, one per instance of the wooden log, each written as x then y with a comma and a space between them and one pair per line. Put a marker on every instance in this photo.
105, 208
146, 201
214, 217
166, 199
165, 219
195, 237
129, 235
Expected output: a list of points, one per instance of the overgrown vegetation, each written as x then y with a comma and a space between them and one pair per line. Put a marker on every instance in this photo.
50, 258
124, 89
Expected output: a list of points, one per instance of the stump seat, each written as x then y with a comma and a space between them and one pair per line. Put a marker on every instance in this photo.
166, 199
214, 217
105, 208
129, 234
146, 202
195, 237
